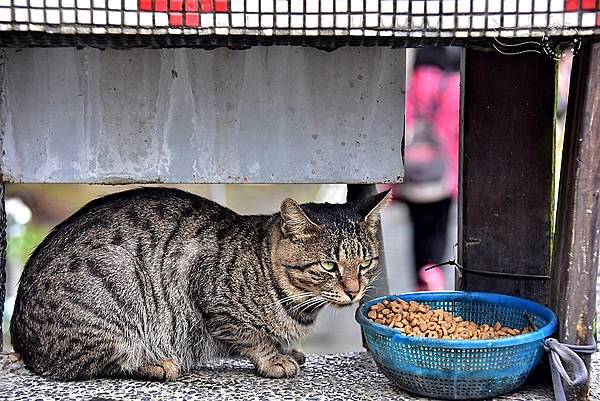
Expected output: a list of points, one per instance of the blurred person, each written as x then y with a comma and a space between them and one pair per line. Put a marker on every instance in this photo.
431, 157
564, 79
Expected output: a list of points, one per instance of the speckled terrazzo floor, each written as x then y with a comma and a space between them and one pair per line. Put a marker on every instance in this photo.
351, 376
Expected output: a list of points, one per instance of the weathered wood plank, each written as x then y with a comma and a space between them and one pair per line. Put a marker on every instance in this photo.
577, 243
2, 259
505, 205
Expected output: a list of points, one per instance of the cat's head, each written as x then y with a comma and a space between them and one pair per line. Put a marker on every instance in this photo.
331, 250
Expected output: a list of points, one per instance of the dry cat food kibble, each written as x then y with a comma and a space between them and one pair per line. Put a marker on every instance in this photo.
419, 320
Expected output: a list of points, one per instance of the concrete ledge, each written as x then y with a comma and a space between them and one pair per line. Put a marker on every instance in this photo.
351, 376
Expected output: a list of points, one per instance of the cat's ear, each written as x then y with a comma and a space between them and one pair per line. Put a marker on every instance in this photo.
294, 222
372, 208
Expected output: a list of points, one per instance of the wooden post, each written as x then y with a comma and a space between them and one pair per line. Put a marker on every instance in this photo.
2, 260
507, 152
577, 244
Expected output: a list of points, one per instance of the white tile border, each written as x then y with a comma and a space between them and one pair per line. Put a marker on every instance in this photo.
308, 17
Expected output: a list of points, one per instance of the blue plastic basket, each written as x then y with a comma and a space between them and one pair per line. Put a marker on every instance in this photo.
461, 369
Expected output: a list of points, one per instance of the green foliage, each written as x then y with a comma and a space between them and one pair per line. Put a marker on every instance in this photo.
20, 247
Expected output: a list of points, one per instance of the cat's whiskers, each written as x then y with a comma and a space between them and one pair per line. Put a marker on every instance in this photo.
299, 295
325, 304
371, 285
301, 303
308, 306
375, 277
290, 298
314, 306
306, 303
367, 289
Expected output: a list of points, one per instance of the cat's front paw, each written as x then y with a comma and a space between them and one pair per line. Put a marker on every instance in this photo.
12, 362
163, 370
298, 356
278, 366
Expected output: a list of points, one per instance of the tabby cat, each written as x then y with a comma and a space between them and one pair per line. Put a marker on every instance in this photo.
152, 282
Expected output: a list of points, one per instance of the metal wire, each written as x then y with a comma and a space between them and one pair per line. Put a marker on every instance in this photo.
460, 270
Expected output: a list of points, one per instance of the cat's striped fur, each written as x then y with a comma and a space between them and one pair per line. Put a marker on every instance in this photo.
150, 283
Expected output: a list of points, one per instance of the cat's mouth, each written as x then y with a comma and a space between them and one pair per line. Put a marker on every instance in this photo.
341, 299
343, 302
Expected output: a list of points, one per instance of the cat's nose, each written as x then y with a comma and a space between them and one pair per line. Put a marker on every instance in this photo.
351, 287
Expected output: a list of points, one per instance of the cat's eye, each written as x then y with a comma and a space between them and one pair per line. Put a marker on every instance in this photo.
366, 263
329, 266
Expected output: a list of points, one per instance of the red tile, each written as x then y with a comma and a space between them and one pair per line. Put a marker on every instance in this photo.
575, 5
192, 19
590, 5
175, 19
160, 5
571, 5
191, 5
206, 5
175, 5
145, 5
221, 6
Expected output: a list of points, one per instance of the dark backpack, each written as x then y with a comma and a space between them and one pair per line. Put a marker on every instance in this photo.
424, 158
425, 161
